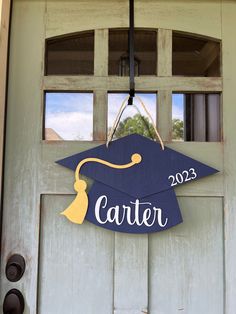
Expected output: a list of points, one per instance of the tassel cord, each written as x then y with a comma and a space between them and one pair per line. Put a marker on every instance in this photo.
135, 159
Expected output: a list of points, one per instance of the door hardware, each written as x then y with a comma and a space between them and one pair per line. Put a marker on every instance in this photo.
14, 302
15, 268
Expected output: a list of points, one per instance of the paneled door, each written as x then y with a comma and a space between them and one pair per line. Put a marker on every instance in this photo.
66, 53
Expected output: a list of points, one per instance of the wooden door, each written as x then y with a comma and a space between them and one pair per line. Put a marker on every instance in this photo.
85, 269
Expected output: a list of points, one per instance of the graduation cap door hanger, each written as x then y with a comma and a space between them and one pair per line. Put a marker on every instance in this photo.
134, 178
133, 189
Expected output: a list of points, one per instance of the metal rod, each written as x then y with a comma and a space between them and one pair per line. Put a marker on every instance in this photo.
131, 52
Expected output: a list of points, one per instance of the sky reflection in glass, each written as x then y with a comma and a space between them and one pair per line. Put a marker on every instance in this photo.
178, 106
69, 116
178, 117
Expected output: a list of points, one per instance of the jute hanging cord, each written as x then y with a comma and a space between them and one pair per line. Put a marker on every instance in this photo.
123, 106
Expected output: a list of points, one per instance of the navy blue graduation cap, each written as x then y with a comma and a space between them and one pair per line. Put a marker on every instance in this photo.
133, 184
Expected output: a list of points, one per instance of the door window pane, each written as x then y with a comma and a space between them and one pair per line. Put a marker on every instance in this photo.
68, 116
196, 117
134, 119
193, 56
145, 52
178, 117
71, 55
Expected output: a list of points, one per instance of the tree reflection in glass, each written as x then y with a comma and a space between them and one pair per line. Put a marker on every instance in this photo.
134, 119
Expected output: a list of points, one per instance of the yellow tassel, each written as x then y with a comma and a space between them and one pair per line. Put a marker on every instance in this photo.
77, 210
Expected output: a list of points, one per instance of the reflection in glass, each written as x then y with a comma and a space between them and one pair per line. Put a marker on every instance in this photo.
68, 116
196, 117
195, 56
178, 117
70, 55
134, 119
145, 52
124, 66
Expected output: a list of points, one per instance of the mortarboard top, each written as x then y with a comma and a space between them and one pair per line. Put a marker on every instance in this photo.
150, 176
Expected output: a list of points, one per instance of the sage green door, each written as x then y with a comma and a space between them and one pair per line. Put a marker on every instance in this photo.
82, 268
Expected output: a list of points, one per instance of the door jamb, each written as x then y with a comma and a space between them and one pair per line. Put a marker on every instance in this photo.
5, 16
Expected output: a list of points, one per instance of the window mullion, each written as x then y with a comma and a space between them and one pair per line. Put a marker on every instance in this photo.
101, 52
100, 96
99, 115
164, 51
164, 99
164, 114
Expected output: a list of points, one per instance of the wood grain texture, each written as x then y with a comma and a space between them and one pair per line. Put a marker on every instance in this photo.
164, 114
142, 83
100, 271
20, 232
53, 177
100, 115
229, 114
101, 52
5, 8
76, 263
81, 15
186, 263
191, 16
164, 50
179, 15
130, 274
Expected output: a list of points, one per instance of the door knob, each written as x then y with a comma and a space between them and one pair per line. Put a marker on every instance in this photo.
13, 302
15, 267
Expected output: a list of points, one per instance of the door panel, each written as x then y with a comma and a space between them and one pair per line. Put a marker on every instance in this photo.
75, 264
186, 267
131, 273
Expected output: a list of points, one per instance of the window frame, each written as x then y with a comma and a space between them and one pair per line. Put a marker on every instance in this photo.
163, 84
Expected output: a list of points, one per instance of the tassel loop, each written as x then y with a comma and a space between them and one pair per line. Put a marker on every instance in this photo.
80, 185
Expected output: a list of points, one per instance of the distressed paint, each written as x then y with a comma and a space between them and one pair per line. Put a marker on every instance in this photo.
132, 278
203, 17
20, 231
76, 264
101, 52
186, 263
130, 274
229, 114
142, 83
164, 114
5, 8
100, 115
164, 51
